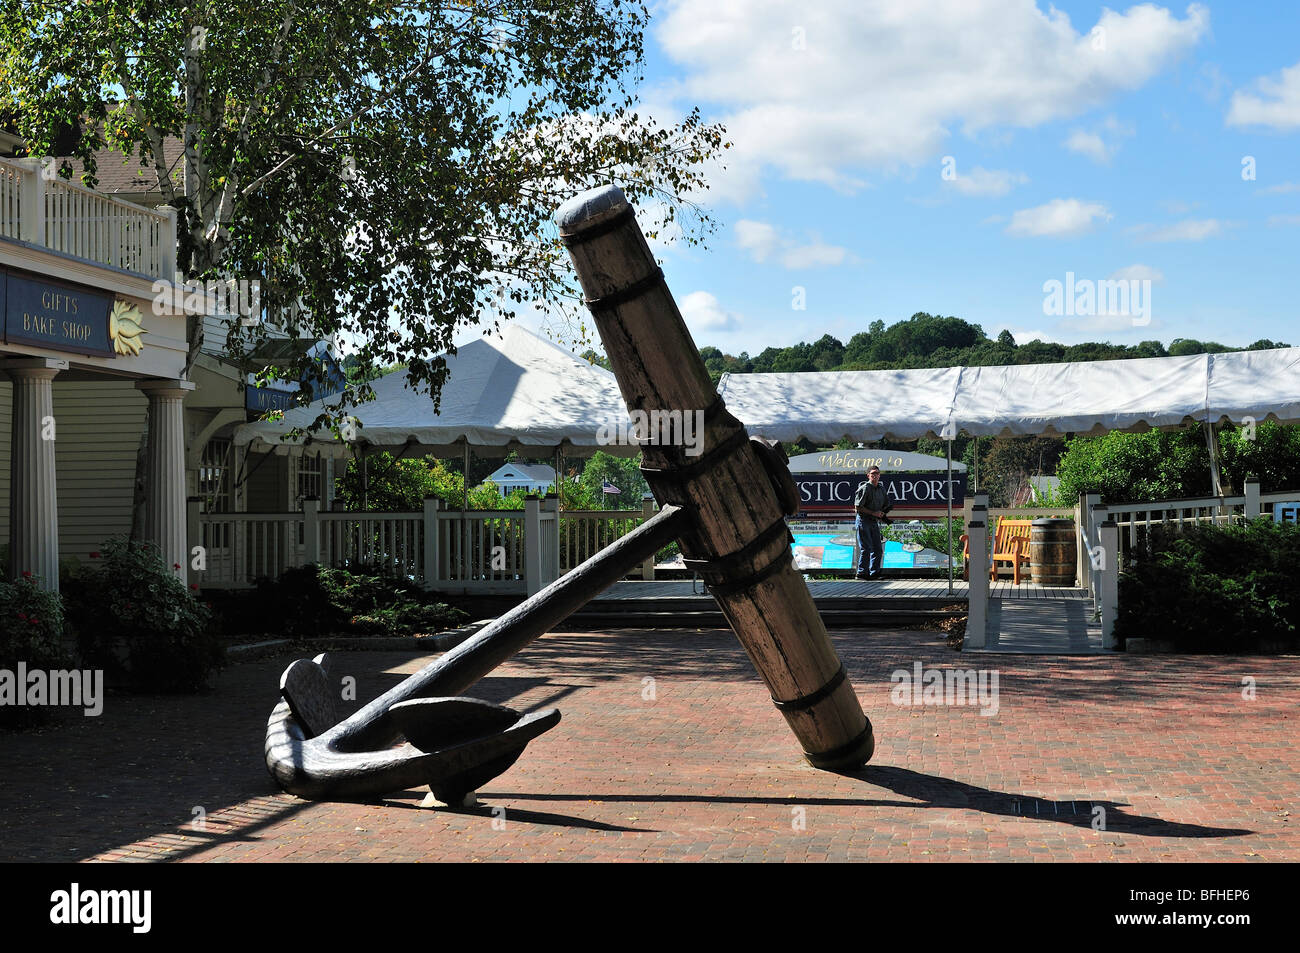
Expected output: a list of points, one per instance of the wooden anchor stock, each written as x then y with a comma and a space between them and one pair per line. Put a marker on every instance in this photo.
736, 491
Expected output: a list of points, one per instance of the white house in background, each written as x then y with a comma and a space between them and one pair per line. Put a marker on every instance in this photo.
529, 477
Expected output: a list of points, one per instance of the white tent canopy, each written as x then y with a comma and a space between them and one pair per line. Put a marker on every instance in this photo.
517, 393
1083, 397
524, 393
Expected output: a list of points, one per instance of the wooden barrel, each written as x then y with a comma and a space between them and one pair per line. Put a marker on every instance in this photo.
1052, 552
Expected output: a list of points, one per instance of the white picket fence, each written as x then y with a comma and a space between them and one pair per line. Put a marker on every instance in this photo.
1110, 537
454, 551
74, 220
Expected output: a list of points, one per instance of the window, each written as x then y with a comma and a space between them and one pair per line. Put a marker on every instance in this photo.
214, 475
311, 477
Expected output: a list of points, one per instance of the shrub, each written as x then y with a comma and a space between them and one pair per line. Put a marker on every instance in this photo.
309, 601
932, 534
1214, 589
141, 623
31, 631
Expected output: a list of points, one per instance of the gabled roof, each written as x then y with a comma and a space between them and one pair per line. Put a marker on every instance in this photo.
527, 472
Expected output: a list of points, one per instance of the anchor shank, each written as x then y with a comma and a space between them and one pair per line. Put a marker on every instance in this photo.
372, 727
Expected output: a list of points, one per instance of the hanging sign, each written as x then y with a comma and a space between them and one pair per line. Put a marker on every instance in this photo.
60, 317
834, 493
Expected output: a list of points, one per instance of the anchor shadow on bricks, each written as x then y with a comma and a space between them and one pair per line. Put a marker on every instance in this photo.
939, 792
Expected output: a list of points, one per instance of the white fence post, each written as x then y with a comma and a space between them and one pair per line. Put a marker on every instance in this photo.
31, 215
1081, 563
648, 509
432, 505
310, 531
1108, 573
977, 590
193, 536
1252, 498
551, 504
532, 544
1089, 528
167, 245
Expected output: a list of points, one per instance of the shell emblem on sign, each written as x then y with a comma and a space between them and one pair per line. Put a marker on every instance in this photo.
126, 328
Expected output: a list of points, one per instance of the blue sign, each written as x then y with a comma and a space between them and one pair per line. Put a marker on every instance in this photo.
55, 315
262, 399
1286, 512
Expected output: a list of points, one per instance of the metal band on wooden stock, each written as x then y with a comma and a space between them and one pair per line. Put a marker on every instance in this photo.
623, 216
807, 701
731, 562
637, 288
829, 758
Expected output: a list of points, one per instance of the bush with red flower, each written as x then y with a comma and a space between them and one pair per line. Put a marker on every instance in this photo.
31, 631
141, 623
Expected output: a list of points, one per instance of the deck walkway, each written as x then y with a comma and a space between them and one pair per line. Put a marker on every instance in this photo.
1027, 619
1042, 627
824, 589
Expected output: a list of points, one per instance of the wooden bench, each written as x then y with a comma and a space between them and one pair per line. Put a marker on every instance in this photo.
1010, 544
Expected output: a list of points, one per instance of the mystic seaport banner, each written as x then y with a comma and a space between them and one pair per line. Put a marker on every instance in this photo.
828, 493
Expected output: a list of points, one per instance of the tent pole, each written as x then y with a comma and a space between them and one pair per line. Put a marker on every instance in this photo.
950, 516
365, 482
1216, 487
465, 502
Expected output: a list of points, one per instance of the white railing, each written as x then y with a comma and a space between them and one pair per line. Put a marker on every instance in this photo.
240, 548
69, 218
584, 533
1117, 531
476, 550
392, 544
466, 551
1136, 521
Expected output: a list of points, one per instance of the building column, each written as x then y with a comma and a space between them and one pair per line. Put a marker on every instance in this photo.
33, 496
165, 513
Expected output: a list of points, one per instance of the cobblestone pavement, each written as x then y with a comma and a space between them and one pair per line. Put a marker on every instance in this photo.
1090, 758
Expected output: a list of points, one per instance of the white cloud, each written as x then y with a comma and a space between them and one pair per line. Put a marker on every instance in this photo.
703, 312
1058, 218
1101, 144
764, 242
1188, 230
1276, 220
758, 238
831, 91
1275, 104
986, 182
1137, 273
1025, 336
1281, 188
1089, 144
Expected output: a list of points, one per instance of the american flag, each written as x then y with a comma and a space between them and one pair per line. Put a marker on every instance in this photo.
607, 487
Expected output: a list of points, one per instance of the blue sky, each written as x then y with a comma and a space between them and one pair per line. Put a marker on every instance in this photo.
1111, 145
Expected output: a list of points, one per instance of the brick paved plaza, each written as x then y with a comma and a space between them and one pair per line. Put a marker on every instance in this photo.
1185, 768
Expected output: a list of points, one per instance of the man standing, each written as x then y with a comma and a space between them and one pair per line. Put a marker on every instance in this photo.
871, 504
